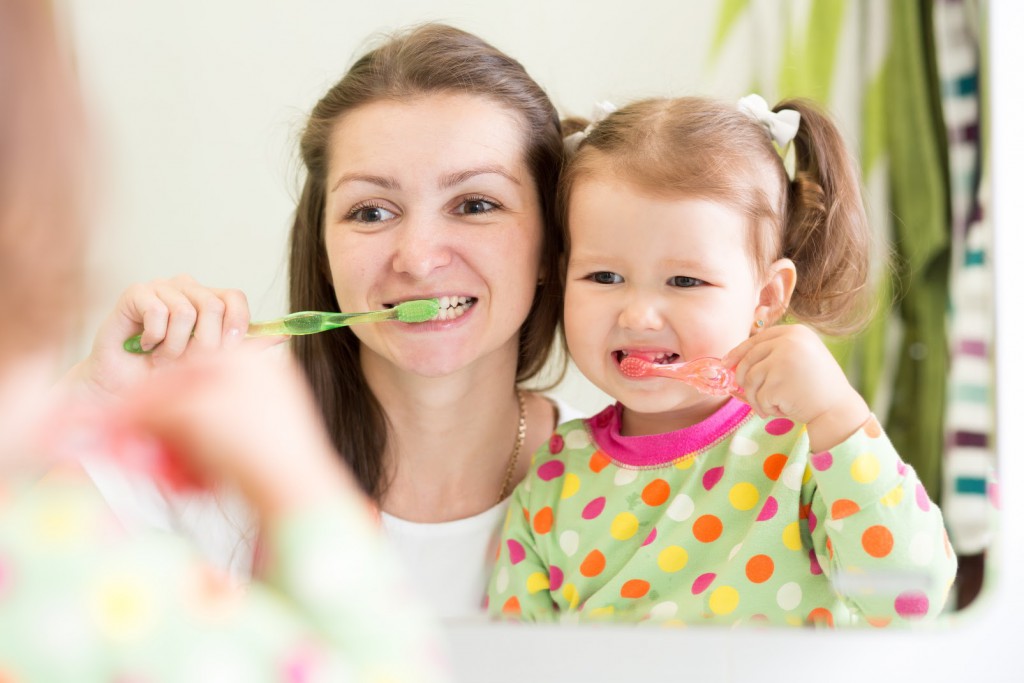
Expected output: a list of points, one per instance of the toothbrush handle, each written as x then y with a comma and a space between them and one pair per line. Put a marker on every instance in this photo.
307, 322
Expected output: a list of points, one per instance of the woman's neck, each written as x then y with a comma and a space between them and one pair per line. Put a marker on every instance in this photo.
449, 439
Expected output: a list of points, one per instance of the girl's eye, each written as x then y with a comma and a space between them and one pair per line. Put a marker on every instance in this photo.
684, 281
476, 205
605, 278
369, 213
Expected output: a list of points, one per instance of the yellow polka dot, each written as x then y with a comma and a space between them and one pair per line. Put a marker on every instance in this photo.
865, 468
893, 498
601, 612
536, 582
673, 623
684, 464
794, 620
672, 559
123, 607
807, 474
570, 485
791, 536
743, 496
624, 526
724, 600
571, 595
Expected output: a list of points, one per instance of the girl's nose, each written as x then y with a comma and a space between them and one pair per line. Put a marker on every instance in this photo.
641, 313
422, 247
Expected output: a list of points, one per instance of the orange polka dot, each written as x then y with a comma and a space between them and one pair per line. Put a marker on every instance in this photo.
828, 546
593, 564
656, 492
511, 606
879, 622
821, 617
635, 588
877, 541
526, 515
805, 511
707, 528
599, 460
872, 428
774, 464
844, 508
542, 520
760, 568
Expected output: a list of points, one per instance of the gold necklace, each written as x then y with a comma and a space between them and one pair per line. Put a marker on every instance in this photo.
520, 438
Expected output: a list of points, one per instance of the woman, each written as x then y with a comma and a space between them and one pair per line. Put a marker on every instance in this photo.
80, 600
431, 170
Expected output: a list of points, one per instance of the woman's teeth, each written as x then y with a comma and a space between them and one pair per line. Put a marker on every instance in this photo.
452, 307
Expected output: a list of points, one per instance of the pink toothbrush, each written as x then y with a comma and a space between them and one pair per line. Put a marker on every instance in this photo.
707, 374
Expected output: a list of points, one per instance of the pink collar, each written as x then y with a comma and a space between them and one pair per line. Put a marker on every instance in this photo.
655, 450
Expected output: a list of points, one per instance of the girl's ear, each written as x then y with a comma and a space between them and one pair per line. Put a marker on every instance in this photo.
775, 293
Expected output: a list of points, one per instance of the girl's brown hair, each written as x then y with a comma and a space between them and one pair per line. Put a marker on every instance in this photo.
429, 59
701, 148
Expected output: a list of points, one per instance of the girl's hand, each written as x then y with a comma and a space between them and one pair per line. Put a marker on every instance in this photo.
176, 317
244, 417
787, 371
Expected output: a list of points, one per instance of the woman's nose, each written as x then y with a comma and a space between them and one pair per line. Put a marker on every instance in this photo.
641, 312
422, 247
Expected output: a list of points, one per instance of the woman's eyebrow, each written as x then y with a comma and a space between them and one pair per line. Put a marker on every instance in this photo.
383, 181
450, 180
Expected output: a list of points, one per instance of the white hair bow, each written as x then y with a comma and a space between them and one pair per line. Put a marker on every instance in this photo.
781, 125
601, 111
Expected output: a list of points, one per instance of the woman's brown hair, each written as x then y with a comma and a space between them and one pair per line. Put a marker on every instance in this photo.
700, 148
428, 59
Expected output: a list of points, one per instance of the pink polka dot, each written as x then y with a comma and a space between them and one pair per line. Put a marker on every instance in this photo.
922, 498
815, 565
594, 508
712, 477
551, 469
778, 426
555, 577
516, 553
993, 494
901, 468
821, 461
911, 604
768, 510
702, 582
556, 444
650, 537
812, 521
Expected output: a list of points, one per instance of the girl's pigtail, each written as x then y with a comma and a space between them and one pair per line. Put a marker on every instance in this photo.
826, 233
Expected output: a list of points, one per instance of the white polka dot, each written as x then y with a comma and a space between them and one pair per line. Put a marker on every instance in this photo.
735, 549
577, 438
681, 508
792, 476
741, 445
664, 610
501, 580
569, 542
922, 548
623, 477
527, 485
834, 524
789, 596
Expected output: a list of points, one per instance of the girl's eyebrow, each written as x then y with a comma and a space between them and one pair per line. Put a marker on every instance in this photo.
382, 181
450, 180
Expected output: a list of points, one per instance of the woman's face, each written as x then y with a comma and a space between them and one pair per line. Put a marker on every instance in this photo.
432, 197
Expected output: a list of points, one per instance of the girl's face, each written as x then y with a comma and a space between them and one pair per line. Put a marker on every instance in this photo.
432, 197
670, 280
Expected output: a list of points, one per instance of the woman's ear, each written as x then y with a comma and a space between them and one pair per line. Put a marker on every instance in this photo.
776, 292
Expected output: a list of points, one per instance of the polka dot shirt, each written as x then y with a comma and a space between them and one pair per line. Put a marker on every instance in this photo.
732, 520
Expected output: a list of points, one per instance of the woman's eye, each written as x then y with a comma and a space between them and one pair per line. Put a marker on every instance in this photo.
370, 214
476, 205
684, 281
606, 278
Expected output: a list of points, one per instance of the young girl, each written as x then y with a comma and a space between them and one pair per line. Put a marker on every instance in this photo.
783, 502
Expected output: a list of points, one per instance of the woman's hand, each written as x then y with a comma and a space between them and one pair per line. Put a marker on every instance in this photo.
787, 371
175, 317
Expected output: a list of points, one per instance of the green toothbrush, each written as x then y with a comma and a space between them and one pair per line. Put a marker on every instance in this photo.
311, 322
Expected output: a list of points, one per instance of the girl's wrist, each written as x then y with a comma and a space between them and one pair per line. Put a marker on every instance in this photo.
836, 425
